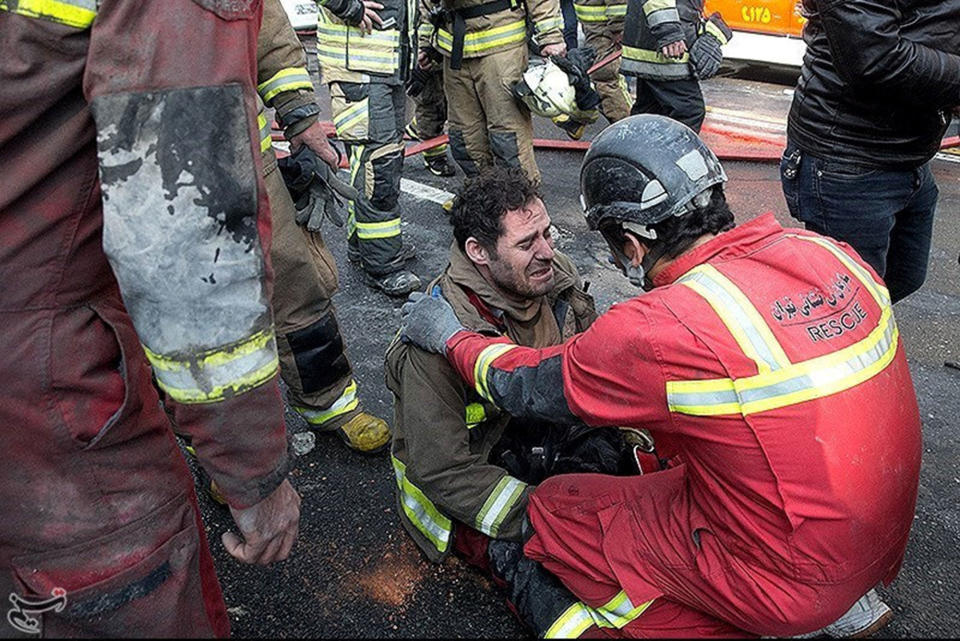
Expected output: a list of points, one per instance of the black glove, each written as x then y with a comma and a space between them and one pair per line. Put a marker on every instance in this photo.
418, 80
576, 64
314, 188
705, 52
350, 11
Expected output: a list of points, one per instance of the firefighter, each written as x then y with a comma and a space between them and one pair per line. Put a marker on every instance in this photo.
365, 51
484, 48
425, 88
464, 469
602, 22
134, 225
658, 48
751, 361
313, 360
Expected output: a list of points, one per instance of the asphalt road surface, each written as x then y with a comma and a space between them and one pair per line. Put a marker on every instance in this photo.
355, 573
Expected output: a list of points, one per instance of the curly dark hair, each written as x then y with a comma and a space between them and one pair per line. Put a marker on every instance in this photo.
483, 200
680, 232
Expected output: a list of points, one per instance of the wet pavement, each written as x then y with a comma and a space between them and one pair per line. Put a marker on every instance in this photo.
355, 573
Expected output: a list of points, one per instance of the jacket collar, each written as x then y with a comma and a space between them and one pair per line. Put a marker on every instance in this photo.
730, 244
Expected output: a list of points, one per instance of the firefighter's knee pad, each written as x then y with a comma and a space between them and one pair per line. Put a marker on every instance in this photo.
458, 149
318, 352
386, 164
505, 149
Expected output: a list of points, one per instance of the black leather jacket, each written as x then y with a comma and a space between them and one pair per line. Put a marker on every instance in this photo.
879, 80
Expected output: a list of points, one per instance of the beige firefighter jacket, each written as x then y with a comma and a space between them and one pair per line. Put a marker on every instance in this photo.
601, 15
444, 432
384, 56
494, 32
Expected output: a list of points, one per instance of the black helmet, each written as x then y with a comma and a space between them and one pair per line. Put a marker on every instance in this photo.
644, 169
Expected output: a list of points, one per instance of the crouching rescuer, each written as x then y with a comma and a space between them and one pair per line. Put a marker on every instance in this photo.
465, 469
786, 451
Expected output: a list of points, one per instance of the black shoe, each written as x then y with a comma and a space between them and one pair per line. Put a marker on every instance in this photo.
439, 165
399, 283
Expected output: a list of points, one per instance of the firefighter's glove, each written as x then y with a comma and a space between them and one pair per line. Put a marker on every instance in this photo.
576, 64
315, 189
418, 80
428, 321
350, 11
705, 52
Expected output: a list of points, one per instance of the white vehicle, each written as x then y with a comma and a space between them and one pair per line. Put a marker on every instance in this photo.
302, 14
765, 31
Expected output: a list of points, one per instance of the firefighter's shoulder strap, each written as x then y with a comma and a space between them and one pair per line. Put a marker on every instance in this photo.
459, 18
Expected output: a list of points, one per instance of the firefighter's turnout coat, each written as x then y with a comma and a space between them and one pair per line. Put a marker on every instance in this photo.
444, 431
768, 367
133, 232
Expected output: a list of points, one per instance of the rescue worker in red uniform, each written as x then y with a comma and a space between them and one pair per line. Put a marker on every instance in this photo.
768, 367
134, 228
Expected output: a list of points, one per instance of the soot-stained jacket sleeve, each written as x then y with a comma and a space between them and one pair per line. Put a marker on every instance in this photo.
186, 225
439, 460
608, 375
869, 51
547, 21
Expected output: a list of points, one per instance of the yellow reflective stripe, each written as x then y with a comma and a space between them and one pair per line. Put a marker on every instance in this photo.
571, 624
480, 41
338, 33
220, 373
75, 13
876, 289
590, 13
265, 133
425, 29
351, 116
657, 5
742, 319
482, 366
346, 402
548, 24
620, 611
439, 150
475, 414
716, 32
501, 500
616, 10
383, 229
288, 79
645, 55
799, 382
420, 510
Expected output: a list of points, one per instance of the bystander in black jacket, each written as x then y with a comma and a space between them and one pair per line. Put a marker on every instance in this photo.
881, 94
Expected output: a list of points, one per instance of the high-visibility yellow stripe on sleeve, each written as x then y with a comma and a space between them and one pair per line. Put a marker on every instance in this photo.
619, 611
571, 624
658, 5
590, 13
548, 24
420, 510
716, 32
73, 13
615, 11
501, 500
482, 367
217, 374
289, 79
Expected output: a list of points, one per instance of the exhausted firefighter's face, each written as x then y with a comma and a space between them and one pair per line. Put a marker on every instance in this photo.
522, 261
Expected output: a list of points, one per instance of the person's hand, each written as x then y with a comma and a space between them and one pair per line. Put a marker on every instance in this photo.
674, 49
554, 50
370, 16
269, 528
423, 60
315, 138
428, 321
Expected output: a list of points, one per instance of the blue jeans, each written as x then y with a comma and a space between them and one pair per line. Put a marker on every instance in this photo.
886, 215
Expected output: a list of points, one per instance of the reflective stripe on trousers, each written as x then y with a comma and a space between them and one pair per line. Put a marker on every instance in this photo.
579, 617
347, 402
780, 383
421, 511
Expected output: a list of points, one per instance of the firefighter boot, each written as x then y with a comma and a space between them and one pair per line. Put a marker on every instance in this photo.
407, 252
438, 164
573, 128
867, 616
537, 597
397, 284
365, 433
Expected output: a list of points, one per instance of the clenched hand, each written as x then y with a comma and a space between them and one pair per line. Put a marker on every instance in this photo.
269, 528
